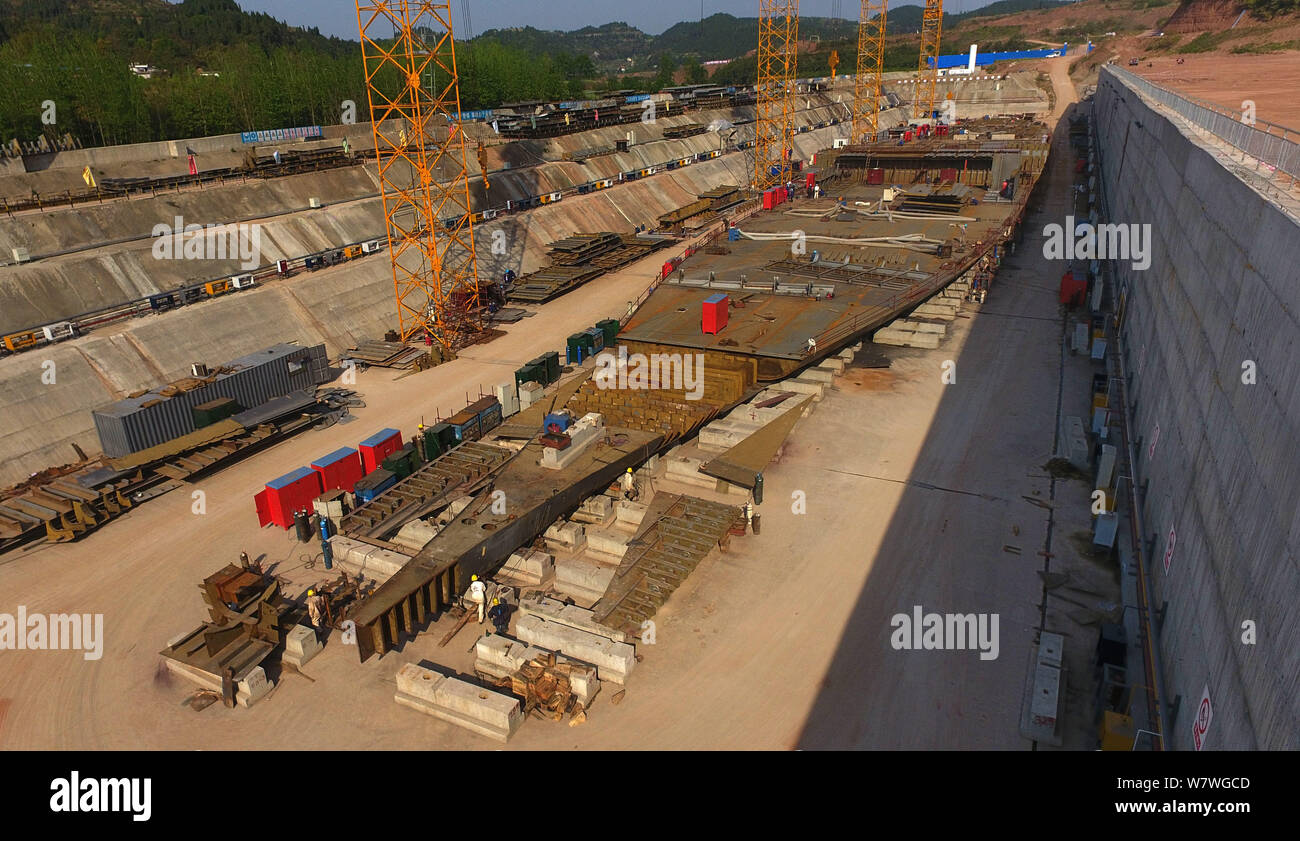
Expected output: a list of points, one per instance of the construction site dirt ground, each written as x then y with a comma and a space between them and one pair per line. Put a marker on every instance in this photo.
1270, 81
912, 489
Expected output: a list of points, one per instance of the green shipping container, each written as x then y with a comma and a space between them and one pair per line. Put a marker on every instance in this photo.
610, 328
552, 362
446, 435
206, 414
432, 446
530, 373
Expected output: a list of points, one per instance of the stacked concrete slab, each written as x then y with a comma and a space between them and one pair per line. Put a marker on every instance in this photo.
1220, 292
366, 560
614, 661
459, 702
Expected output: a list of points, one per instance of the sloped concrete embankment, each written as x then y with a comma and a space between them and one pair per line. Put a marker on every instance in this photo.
1219, 302
337, 306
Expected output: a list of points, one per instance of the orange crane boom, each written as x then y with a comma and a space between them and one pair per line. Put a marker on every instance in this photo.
778, 41
409, 54
928, 66
871, 68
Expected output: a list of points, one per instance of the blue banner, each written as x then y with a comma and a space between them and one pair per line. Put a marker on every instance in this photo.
280, 135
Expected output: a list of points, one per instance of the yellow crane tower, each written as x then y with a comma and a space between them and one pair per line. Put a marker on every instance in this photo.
778, 42
871, 67
928, 66
412, 86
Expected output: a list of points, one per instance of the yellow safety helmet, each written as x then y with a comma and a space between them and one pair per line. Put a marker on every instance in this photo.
496, 602
473, 578
629, 470
311, 592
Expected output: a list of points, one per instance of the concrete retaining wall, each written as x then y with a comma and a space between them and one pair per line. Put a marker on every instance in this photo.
1220, 292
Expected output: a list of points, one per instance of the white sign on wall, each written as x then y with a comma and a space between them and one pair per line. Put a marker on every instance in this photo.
1204, 714
1155, 436
1169, 548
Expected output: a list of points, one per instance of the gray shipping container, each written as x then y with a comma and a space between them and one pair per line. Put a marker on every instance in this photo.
130, 425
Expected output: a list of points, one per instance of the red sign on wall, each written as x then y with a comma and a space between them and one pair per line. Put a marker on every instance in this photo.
1204, 714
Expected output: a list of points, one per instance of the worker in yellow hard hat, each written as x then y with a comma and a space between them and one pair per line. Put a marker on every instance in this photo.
315, 608
500, 616
627, 482
478, 596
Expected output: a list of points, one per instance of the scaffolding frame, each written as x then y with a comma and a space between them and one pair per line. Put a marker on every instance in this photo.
412, 88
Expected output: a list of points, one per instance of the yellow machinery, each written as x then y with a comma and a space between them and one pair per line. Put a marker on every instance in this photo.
871, 66
928, 66
409, 53
778, 52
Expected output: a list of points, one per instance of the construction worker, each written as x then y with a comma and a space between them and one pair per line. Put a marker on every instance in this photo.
628, 484
500, 616
243, 560
478, 595
812, 346
315, 608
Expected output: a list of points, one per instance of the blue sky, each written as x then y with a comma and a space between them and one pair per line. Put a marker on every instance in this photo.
339, 17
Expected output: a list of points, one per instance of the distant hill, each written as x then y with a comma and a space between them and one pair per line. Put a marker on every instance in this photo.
719, 37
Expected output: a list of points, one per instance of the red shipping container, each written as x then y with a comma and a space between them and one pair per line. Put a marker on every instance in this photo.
769, 199
1073, 290
715, 313
340, 470
875, 176
810, 180
378, 447
277, 502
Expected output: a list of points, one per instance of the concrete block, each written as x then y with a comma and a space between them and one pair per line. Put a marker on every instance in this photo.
363, 559
530, 567
686, 470
847, 355
609, 545
253, 687
554, 610
933, 310
415, 534
614, 661
818, 375
833, 363
801, 385
927, 327
566, 536
597, 509
585, 580
458, 702
627, 512
301, 645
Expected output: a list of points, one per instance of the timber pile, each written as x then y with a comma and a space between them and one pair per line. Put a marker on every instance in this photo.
544, 687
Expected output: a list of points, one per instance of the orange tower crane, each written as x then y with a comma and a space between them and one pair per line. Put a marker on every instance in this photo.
928, 66
409, 53
871, 68
778, 52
